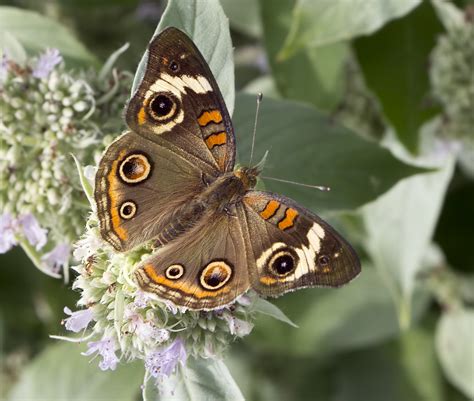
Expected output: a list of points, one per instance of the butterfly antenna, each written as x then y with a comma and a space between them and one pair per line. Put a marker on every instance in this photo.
259, 100
259, 166
321, 188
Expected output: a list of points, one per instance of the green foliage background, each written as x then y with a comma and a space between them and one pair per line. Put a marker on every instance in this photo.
348, 104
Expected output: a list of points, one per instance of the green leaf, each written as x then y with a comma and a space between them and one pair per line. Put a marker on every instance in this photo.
269, 309
451, 16
11, 48
398, 371
399, 229
455, 348
307, 146
36, 32
205, 22
394, 62
62, 373
321, 22
332, 320
315, 75
86, 185
244, 16
200, 380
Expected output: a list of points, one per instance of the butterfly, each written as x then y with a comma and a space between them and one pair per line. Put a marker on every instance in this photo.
171, 180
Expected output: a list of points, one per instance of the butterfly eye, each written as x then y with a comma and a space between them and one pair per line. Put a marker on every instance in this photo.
174, 66
163, 107
283, 262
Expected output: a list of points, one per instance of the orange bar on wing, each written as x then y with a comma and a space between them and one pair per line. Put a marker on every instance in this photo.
270, 209
216, 139
205, 118
288, 221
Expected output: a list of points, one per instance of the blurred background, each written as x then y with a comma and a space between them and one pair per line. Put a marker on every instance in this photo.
398, 80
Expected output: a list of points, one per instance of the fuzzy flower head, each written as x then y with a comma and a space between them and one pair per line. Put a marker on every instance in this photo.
63, 112
452, 79
126, 323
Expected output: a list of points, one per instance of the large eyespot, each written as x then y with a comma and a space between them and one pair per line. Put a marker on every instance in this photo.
215, 275
163, 107
128, 209
135, 168
283, 262
174, 272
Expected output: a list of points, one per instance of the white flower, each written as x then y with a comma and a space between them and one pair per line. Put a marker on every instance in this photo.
237, 327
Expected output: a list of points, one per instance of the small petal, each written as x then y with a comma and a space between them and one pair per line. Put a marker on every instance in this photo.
238, 327
35, 235
46, 63
106, 349
7, 232
162, 363
78, 320
3, 69
58, 257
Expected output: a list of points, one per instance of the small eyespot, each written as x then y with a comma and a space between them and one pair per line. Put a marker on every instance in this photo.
323, 260
174, 272
215, 275
128, 210
163, 107
283, 262
174, 66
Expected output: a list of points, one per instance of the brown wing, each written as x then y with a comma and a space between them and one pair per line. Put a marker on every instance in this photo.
206, 269
178, 99
139, 184
292, 247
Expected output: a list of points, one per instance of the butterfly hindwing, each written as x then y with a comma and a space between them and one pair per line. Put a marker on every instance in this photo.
293, 248
206, 269
179, 100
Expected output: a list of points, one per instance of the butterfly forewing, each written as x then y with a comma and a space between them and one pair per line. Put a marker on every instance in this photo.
179, 100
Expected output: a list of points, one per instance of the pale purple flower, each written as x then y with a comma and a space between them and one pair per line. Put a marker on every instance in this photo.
7, 232
33, 232
46, 63
78, 320
162, 363
58, 257
106, 349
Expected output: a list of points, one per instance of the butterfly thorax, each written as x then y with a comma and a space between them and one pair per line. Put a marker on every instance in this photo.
228, 189
220, 196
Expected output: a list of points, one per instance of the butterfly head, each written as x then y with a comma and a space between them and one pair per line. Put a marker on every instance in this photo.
248, 176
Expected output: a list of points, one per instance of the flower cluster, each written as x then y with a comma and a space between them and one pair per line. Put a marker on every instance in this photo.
451, 73
359, 109
49, 113
121, 322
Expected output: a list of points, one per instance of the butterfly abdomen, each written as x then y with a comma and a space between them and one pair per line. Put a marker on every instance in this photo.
185, 219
